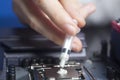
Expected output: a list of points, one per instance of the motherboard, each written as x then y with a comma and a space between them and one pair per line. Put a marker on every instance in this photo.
26, 55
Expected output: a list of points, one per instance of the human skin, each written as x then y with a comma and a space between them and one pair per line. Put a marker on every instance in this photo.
54, 18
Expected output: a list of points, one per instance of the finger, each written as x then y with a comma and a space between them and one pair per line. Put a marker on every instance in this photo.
58, 15
84, 12
36, 20
76, 45
78, 11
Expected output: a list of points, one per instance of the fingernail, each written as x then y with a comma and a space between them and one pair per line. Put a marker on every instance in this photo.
78, 30
75, 21
71, 29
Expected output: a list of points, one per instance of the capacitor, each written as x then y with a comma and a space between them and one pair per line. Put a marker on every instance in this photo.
26, 62
11, 72
1, 58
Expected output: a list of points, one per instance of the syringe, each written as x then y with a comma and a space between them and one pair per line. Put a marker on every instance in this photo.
66, 49
64, 57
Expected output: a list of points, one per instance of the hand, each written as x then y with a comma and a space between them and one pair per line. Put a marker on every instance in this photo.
54, 18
